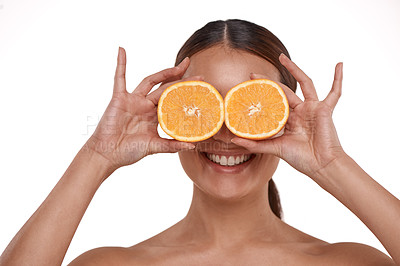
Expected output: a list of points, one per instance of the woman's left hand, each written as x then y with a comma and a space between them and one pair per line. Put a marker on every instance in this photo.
309, 142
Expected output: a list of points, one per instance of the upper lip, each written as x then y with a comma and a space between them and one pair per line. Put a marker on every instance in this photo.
228, 153
221, 148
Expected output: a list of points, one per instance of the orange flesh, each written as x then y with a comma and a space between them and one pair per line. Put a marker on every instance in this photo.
191, 111
255, 109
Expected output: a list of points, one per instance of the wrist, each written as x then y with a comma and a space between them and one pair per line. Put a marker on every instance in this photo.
96, 160
340, 164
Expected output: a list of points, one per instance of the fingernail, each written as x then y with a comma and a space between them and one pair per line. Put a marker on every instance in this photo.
190, 146
185, 59
284, 56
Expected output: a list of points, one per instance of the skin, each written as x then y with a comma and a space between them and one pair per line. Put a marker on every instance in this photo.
229, 221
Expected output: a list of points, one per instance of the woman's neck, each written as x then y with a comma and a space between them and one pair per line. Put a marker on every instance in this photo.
223, 222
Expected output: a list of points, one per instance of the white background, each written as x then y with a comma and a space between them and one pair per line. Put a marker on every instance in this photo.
57, 62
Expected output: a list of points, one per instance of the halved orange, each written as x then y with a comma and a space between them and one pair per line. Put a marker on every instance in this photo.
191, 111
256, 109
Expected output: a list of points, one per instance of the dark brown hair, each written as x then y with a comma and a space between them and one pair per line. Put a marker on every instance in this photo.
249, 37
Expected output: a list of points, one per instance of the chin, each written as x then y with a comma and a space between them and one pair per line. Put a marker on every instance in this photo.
225, 191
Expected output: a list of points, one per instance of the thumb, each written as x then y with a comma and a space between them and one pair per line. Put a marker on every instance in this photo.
269, 146
169, 146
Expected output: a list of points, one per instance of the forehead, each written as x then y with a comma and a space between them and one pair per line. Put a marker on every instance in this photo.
224, 67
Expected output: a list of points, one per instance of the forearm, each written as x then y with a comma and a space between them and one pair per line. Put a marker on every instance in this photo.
45, 237
378, 209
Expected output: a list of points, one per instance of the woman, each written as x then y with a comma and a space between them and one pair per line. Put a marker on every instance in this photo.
234, 218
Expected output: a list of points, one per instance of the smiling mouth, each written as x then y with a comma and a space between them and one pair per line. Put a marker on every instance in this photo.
228, 160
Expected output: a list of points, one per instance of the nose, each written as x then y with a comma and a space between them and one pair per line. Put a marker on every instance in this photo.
224, 135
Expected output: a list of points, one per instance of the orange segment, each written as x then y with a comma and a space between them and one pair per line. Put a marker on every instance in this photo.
191, 111
256, 109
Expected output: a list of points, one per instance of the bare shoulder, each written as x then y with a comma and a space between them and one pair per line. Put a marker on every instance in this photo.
356, 253
341, 253
103, 256
147, 252
139, 254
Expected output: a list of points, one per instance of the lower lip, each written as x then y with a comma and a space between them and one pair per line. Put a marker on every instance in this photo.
226, 169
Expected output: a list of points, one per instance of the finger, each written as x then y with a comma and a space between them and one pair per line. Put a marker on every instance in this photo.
293, 99
306, 84
183, 64
119, 78
154, 96
165, 75
270, 146
334, 94
169, 146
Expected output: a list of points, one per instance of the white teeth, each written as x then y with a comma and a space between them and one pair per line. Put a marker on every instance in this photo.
228, 161
223, 160
237, 161
231, 160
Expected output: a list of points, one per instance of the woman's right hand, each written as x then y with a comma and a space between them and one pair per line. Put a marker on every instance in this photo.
127, 131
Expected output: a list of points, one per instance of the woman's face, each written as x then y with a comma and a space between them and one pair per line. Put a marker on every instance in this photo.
224, 68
